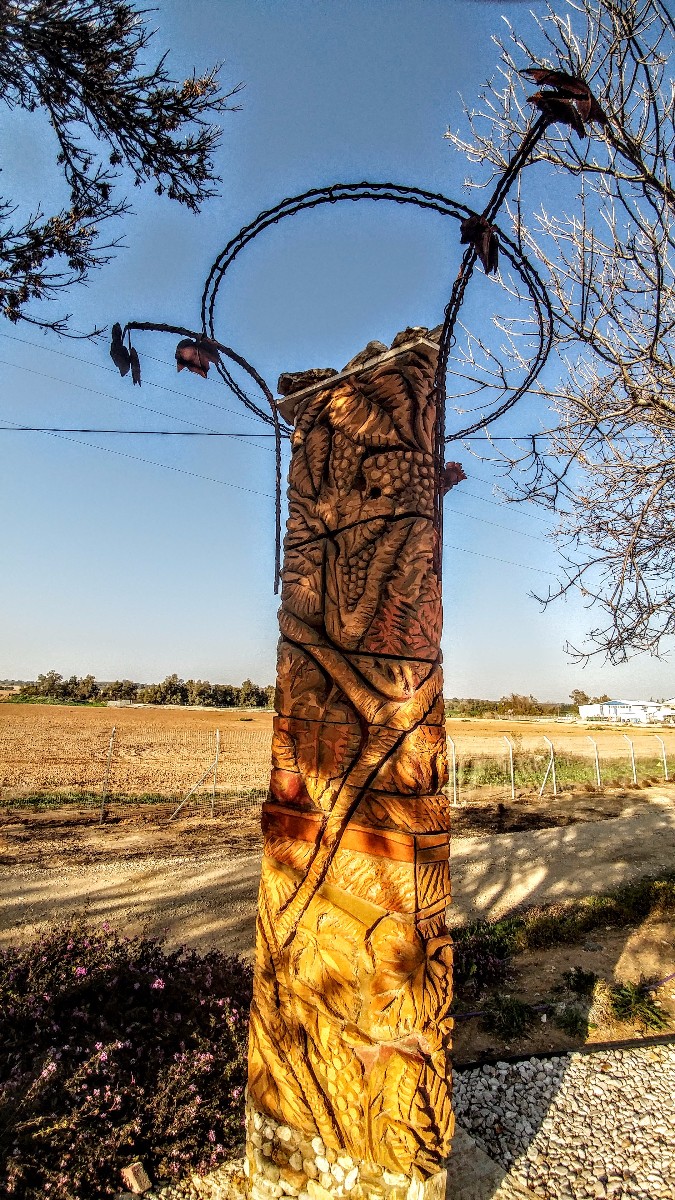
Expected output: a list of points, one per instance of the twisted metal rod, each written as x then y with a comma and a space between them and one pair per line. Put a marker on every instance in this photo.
160, 327
399, 194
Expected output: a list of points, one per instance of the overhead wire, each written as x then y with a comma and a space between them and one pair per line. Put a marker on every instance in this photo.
185, 420
399, 194
113, 371
165, 466
158, 412
200, 431
496, 525
507, 562
251, 491
134, 432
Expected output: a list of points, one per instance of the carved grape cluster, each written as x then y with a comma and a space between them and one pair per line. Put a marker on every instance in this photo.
345, 460
343, 1076
355, 574
404, 475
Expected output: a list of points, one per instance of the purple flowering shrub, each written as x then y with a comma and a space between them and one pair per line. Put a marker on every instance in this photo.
112, 1049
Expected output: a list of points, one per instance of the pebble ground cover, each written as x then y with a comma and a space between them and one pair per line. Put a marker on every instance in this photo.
579, 1126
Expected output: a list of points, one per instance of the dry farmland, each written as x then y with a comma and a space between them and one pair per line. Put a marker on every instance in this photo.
59, 753
194, 879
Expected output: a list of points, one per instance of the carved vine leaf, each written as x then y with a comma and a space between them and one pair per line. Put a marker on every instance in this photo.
300, 476
276, 890
419, 764
283, 751
300, 678
363, 420
303, 581
261, 1082
411, 987
317, 450
408, 617
390, 387
431, 1111
392, 1088
324, 754
324, 959
304, 522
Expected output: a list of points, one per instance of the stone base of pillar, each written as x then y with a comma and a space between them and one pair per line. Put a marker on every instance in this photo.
281, 1161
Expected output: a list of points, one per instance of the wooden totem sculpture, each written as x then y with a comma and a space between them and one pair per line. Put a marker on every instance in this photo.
350, 1025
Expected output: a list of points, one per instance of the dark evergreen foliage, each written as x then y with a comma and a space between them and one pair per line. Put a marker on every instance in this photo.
82, 62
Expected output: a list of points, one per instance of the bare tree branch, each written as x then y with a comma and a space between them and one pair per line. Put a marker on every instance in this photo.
605, 249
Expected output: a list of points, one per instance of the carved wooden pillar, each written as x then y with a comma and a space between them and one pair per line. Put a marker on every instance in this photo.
350, 1032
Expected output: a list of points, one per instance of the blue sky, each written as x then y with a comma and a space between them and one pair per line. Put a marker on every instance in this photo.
124, 567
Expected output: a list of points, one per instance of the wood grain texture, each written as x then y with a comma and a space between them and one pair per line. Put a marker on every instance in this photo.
350, 1025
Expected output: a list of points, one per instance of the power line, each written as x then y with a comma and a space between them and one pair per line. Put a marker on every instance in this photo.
165, 466
507, 562
204, 431
496, 525
86, 387
200, 400
121, 399
132, 432
496, 503
113, 371
254, 492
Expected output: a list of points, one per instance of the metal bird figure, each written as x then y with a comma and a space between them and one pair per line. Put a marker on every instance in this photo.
135, 366
118, 351
453, 474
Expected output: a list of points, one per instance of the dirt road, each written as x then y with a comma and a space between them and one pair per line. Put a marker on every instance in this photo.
207, 897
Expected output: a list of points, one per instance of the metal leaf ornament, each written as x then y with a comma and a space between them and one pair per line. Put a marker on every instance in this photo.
197, 355
135, 366
570, 100
453, 474
478, 232
119, 353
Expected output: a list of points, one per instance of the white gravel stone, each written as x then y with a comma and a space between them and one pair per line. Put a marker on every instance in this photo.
579, 1126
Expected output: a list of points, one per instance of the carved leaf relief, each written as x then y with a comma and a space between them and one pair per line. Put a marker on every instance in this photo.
324, 959
362, 419
317, 450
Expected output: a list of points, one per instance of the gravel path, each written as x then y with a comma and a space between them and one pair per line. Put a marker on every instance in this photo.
578, 1126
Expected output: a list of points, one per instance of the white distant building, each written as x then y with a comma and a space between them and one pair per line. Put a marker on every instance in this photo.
634, 712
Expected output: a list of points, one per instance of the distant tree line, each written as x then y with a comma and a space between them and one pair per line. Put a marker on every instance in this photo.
518, 706
172, 690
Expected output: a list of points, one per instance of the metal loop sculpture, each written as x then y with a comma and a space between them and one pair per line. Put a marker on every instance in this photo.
350, 1021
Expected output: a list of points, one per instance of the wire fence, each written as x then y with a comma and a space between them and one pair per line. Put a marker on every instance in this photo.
224, 773
220, 773
513, 764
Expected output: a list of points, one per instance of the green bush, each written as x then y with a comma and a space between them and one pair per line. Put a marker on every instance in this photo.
508, 1017
112, 1049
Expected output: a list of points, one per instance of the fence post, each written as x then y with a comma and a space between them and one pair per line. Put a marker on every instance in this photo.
665, 760
215, 771
454, 770
513, 778
550, 768
193, 789
632, 755
106, 777
597, 760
